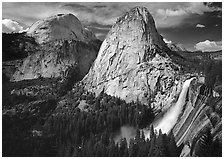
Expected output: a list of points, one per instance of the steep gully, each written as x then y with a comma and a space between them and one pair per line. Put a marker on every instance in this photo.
166, 122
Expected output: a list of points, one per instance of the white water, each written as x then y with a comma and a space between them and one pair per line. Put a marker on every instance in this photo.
169, 119
165, 123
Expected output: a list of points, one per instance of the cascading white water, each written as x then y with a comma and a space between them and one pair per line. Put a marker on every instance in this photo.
165, 123
169, 119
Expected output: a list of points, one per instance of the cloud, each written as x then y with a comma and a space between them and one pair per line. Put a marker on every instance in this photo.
166, 14
191, 8
100, 36
11, 26
200, 26
177, 16
102, 13
24, 30
170, 13
88, 12
167, 41
208, 45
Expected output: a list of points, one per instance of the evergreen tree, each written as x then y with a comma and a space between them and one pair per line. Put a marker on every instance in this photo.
171, 145
123, 150
105, 138
112, 150
133, 148
138, 135
152, 133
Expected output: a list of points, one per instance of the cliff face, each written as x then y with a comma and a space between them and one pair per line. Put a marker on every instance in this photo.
202, 112
64, 46
134, 63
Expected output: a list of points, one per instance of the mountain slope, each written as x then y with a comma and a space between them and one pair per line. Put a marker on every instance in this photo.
64, 46
134, 63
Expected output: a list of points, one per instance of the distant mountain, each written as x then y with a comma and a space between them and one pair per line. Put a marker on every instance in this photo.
216, 55
60, 27
63, 46
176, 47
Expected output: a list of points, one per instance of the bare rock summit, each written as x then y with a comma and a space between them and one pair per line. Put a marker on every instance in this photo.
134, 63
59, 27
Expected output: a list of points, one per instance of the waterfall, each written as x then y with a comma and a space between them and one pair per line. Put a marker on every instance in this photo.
169, 119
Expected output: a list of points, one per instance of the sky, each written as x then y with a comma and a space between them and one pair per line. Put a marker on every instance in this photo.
193, 25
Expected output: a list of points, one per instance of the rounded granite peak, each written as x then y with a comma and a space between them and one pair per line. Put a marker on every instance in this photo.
63, 15
59, 27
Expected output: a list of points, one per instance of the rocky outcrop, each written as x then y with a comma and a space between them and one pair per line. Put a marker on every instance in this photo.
202, 112
60, 52
134, 63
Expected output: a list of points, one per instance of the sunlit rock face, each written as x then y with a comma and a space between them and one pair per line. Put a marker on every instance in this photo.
200, 112
64, 46
134, 63
59, 27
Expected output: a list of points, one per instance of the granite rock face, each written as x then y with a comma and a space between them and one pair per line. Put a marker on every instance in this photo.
201, 112
134, 63
60, 27
59, 52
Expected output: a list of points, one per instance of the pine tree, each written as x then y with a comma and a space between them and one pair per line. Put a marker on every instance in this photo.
161, 145
89, 147
105, 138
138, 135
123, 150
133, 149
112, 151
152, 143
171, 145
152, 133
